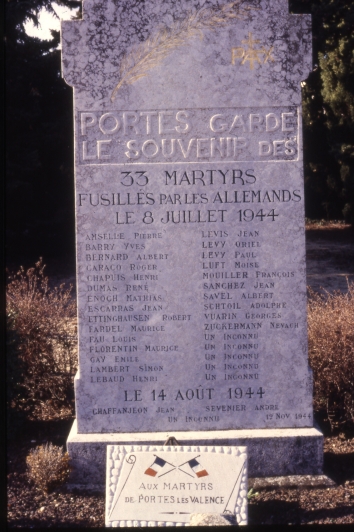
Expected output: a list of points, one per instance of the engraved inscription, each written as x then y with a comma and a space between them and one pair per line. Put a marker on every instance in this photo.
180, 135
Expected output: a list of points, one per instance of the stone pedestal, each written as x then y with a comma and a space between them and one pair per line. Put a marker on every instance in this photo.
271, 452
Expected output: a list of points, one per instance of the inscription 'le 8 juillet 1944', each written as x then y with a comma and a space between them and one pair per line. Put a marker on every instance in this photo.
189, 215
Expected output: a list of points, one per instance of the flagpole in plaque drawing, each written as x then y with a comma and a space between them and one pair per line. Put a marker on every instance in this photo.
234, 501
131, 460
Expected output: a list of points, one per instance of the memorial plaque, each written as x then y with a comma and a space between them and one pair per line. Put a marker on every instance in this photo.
150, 485
189, 215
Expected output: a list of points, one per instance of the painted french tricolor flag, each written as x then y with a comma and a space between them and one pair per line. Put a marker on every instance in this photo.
155, 467
197, 468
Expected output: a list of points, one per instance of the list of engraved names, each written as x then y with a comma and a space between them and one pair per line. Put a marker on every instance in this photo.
183, 307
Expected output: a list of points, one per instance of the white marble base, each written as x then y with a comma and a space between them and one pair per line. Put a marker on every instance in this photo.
271, 452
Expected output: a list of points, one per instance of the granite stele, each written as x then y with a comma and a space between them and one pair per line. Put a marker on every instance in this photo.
163, 486
190, 230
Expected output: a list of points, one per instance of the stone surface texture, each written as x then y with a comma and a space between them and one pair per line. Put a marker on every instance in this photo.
163, 485
294, 481
271, 452
189, 215
209, 520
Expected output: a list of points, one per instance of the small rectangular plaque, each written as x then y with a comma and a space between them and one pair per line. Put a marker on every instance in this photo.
154, 485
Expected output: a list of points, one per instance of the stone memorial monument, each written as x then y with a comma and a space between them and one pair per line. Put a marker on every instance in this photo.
190, 230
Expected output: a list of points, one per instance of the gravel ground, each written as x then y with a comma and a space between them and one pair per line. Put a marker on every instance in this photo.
313, 506
27, 507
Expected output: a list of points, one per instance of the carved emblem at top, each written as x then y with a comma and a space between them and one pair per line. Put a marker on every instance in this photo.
145, 56
253, 55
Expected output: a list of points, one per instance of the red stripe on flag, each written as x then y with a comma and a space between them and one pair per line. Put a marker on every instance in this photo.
151, 472
203, 473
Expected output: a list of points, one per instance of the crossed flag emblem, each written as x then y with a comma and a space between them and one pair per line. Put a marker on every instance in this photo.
159, 468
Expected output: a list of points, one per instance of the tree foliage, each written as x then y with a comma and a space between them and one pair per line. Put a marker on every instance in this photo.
328, 99
39, 137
